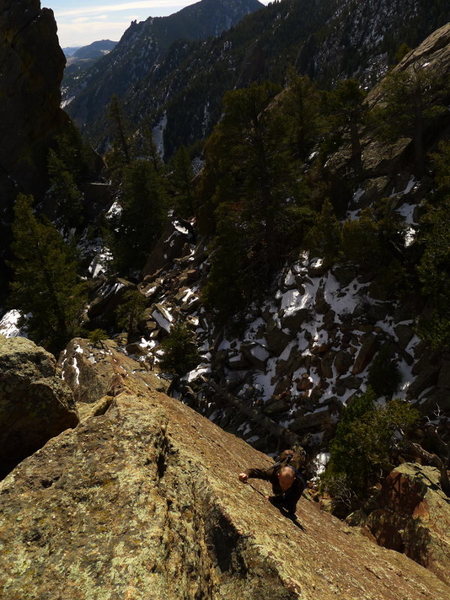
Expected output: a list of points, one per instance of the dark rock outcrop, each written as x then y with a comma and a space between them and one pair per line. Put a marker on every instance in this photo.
31, 68
35, 404
143, 502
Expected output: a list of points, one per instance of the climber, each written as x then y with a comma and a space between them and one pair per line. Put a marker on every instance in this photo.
287, 481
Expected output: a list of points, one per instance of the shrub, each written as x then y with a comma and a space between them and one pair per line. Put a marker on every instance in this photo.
384, 374
365, 437
97, 336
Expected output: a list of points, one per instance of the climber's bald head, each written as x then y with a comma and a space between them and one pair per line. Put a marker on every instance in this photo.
286, 477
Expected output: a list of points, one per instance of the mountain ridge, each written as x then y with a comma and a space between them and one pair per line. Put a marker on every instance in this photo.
142, 47
327, 40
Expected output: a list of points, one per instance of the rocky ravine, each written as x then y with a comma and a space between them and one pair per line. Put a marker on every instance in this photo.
142, 501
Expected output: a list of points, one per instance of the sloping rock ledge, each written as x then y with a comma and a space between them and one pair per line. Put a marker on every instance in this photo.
142, 502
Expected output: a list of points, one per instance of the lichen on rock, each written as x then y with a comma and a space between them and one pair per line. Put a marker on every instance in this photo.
143, 501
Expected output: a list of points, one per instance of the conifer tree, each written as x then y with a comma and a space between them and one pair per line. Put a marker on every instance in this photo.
66, 198
131, 312
434, 266
181, 180
324, 237
119, 155
45, 285
412, 100
364, 440
136, 229
346, 113
301, 107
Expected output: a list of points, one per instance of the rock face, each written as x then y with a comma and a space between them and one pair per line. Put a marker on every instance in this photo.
414, 517
143, 502
31, 69
95, 371
35, 404
32, 66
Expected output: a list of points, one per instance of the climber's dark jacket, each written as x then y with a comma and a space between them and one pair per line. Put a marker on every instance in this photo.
288, 499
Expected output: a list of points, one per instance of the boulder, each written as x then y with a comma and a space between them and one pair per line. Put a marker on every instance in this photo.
109, 298
236, 360
317, 267
35, 404
94, 371
413, 516
342, 362
293, 320
365, 354
163, 317
277, 339
172, 244
319, 420
276, 405
256, 354
326, 365
320, 304
345, 274
143, 502
404, 334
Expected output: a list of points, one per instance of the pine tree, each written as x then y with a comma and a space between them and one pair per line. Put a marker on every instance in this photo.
346, 113
324, 237
180, 351
301, 107
181, 181
119, 156
250, 182
365, 437
433, 268
130, 312
45, 285
64, 195
411, 101
136, 229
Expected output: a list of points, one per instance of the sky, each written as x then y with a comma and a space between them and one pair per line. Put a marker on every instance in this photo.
81, 22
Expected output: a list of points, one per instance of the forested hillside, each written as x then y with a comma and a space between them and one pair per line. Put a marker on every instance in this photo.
275, 253
141, 51
326, 39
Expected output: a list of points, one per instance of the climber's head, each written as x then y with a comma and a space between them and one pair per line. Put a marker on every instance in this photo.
286, 477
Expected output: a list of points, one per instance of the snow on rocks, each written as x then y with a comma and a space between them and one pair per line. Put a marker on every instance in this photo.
163, 317
9, 324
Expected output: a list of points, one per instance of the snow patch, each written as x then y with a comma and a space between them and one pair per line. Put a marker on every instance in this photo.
9, 325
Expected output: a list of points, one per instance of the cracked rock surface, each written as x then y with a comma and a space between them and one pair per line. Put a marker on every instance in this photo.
143, 502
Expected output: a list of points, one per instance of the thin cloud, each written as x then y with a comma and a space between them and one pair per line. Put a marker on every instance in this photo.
102, 8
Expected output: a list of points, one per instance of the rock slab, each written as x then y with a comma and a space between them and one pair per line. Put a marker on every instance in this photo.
143, 502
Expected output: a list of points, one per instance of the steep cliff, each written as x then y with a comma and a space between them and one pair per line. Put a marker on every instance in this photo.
142, 501
31, 67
